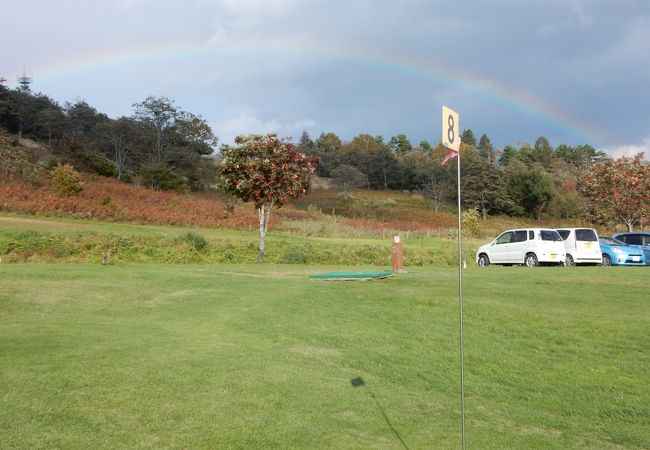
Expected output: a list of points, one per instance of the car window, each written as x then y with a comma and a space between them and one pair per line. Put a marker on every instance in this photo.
520, 236
611, 241
564, 234
634, 239
586, 234
646, 238
550, 235
505, 238
531, 234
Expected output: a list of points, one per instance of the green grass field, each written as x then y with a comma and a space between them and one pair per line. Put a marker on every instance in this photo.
249, 356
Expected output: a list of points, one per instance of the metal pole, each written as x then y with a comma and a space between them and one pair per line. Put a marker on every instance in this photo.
460, 305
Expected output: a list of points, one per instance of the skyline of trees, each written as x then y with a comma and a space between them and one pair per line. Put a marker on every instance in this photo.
161, 146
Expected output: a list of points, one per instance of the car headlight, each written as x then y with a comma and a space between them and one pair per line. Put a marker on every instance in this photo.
618, 251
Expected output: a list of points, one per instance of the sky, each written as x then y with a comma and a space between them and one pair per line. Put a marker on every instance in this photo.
576, 72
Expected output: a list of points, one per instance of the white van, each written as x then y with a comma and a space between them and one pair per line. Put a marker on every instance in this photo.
530, 246
581, 245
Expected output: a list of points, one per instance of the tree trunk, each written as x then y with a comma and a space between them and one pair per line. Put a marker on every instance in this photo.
264, 214
260, 213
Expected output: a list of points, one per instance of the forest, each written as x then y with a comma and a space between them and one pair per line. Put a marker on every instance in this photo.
163, 147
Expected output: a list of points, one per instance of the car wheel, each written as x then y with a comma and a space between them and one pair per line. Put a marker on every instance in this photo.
531, 260
483, 261
569, 262
607, 261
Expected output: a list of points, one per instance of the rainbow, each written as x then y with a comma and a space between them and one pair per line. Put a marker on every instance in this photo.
410, 68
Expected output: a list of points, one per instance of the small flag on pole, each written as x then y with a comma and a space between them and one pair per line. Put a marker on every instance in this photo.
450, 155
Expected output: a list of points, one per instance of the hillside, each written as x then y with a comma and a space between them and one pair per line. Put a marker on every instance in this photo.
25, 188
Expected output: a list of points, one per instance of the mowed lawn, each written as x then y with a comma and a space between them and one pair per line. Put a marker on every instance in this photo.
249, 356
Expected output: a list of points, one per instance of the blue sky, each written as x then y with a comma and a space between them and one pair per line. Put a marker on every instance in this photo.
573, 71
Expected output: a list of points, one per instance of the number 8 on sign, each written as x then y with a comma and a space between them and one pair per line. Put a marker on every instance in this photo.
450, 129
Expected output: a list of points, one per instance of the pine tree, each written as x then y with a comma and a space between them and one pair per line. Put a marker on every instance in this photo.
486, 150
468, 138
484, 186
306, 144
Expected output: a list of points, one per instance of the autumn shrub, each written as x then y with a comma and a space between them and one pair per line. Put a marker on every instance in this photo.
469, 221
109, 199
196, 241
66, 180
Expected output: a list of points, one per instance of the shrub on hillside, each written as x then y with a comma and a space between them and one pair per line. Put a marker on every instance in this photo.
66, 180
469, 221
16, 162
196, 241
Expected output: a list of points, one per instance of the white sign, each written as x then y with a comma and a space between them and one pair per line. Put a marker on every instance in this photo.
450, 129
396, 239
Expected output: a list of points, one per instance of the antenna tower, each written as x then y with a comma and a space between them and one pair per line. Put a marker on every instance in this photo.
24, 82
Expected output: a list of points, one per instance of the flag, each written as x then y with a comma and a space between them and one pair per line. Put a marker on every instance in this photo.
450, 155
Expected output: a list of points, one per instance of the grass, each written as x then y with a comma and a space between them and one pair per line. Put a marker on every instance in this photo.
248, 356
48, 239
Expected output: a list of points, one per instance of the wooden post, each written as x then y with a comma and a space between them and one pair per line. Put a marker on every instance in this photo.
398, 255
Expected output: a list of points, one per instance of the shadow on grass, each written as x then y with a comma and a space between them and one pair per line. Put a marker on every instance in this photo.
358, 382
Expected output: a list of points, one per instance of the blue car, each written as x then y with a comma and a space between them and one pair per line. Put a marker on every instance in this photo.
639, 239
618, 253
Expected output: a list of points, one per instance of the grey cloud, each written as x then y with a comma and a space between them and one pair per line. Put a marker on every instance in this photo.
264, 63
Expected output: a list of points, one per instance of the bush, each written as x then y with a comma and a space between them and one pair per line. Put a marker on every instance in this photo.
469, 221
196, 241
66, 180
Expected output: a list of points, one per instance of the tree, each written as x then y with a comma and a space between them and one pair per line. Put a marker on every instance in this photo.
566, 153
508, 154
531, 190
305, 144
159, 116
425, 146
81, 119
360, 153
347, 178
486, 150
468, 138
177, 139
400, 144
51, 122
619, 190
329, 142
384, 167
119, 135
543, 152
8, 108
267, 171
327, 148
483, 185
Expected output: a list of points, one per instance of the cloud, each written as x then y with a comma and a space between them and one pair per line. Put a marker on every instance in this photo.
257, 6
249, 122
630, 149
576, 18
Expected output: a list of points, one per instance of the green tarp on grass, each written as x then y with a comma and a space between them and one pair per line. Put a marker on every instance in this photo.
351, 275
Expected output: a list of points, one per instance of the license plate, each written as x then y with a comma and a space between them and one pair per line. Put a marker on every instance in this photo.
587, 244
636, 258
553, 256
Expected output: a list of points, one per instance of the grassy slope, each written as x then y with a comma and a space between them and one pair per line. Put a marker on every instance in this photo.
247, 356
76, 240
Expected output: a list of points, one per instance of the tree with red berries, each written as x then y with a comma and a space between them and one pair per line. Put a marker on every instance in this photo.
267, 171
619, 190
